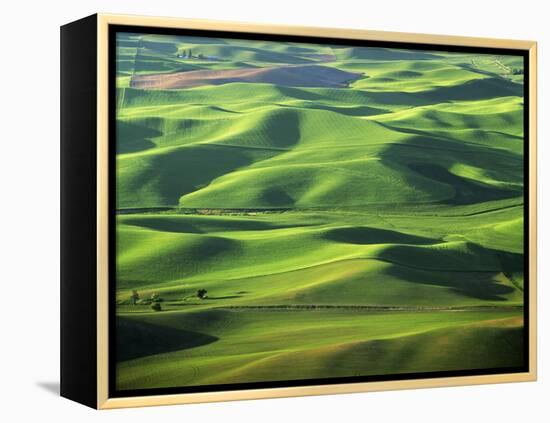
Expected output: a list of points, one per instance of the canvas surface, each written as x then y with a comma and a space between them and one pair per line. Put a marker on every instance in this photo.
293, 211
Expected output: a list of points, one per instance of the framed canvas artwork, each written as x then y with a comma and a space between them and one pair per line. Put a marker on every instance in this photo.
254, 211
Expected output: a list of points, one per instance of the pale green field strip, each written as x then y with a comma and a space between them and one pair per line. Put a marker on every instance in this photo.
237, 346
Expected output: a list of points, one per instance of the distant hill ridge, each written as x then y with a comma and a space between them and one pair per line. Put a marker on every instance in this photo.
291, 76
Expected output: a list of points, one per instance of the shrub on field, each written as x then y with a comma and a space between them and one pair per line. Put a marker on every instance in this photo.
517, 71
134, 297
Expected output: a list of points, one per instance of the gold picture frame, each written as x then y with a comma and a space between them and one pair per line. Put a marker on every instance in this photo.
102, 398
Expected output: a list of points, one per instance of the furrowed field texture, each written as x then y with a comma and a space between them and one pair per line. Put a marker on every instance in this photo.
293, 211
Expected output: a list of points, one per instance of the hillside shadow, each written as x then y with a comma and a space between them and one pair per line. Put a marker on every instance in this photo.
380, 53
476, 89
466, 191
225, 297
424, 162
346, 111
204, 226
480, 71
276, 196
221, 109
133, 137
192, 168
212, 248
136, 339
480, 285
363, 235
444, 132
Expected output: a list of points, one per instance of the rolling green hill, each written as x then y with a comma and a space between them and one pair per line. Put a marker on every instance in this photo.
369, 225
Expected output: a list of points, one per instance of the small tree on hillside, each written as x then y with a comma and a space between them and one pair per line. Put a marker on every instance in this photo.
134, 297
201, 293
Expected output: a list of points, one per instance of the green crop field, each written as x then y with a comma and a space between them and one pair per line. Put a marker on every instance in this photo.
343, 211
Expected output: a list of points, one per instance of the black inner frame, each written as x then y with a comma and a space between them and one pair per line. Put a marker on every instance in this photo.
114, 29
